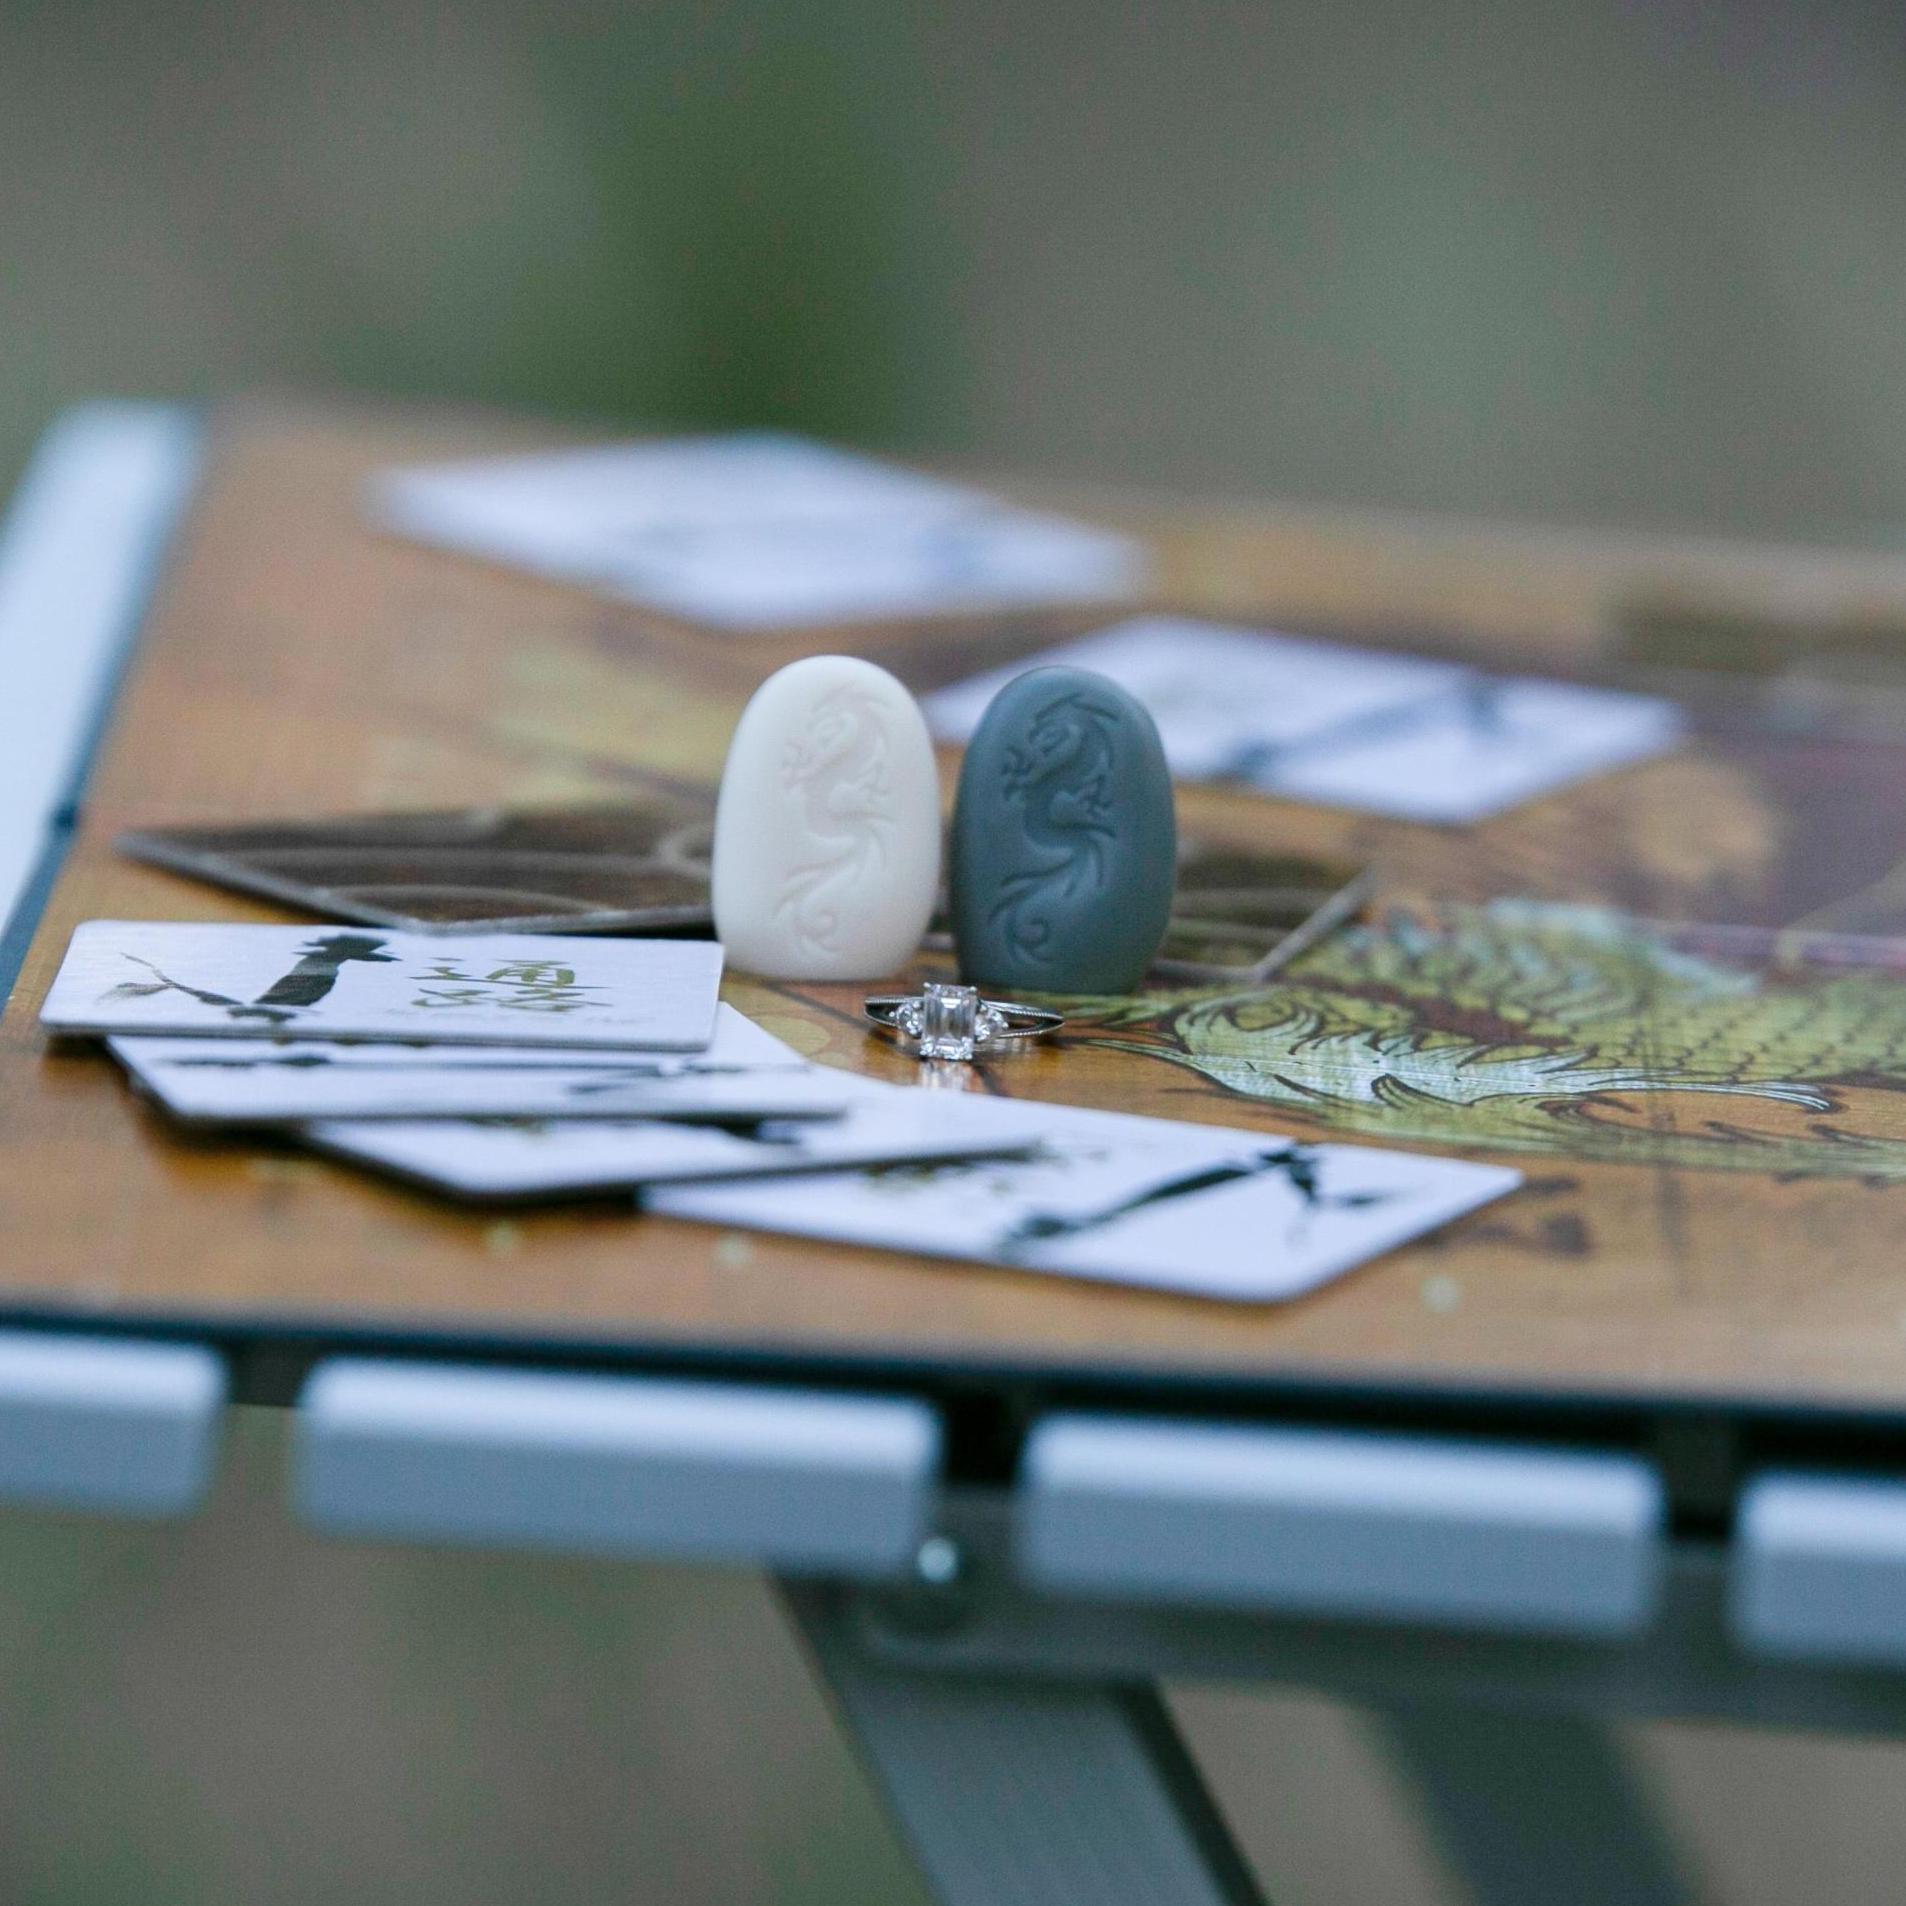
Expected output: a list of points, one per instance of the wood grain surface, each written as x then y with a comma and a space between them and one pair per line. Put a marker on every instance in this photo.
297, 664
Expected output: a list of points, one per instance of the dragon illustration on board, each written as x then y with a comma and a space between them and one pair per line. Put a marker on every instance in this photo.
1522, 1026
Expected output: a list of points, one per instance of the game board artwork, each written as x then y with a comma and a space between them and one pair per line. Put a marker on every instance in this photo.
1575, 1031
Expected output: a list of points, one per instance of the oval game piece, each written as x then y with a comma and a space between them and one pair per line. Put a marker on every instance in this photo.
827, 829
1064, 841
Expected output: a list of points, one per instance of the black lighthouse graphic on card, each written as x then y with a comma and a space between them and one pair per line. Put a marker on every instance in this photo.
341, 982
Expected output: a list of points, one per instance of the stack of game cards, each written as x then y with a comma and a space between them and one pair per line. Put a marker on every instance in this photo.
529, 1066
502, 1065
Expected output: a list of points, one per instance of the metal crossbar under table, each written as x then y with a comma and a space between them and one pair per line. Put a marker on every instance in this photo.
995, 1651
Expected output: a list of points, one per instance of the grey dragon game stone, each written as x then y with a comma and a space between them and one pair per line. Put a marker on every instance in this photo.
1064, 840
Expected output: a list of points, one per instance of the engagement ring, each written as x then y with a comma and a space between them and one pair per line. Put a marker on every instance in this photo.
953, 1022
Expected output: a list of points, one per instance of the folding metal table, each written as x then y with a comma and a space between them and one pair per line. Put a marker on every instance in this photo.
1632, 1446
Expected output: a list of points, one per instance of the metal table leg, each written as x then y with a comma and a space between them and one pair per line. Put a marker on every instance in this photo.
1535, 1807
1023, 1792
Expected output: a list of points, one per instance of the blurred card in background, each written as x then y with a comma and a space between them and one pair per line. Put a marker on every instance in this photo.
328, 982
745, 1074
1492, 742
1348, 727
1190, 1208
638, 867
758, 531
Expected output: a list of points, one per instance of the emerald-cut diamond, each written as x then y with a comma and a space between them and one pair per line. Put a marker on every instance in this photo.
949, 1022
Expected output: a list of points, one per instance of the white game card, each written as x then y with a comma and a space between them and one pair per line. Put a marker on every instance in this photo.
1498, 741
1220, 696
884, 1124
745, 1074
1347, 727
344, 982
1122, 1199
757, 531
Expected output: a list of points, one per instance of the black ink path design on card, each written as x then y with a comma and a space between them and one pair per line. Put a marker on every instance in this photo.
1296, 1163
1474, 703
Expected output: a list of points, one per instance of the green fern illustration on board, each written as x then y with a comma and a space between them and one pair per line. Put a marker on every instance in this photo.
1532, 1027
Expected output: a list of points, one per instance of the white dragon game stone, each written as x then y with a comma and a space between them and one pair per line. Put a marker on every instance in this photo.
827, 830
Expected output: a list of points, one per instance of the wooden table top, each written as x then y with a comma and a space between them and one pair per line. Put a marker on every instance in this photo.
1716, 1158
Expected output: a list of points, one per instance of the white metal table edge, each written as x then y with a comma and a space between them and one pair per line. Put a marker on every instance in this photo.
82, 545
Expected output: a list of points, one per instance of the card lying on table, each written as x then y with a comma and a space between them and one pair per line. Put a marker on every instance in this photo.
1348, 727
745, 1074
545, 1160
330, 982
757, 530
640, 866
1129, 1200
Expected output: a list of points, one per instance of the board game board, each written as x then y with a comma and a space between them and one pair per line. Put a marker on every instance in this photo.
1667, 994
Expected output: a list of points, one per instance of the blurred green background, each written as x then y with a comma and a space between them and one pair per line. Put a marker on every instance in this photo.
1623, 263
1607, 260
